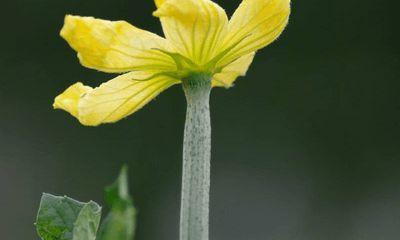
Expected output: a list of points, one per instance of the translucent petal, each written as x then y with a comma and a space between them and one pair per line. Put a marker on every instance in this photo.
120, 97
69, 99
231, 72
197, 27
115, 46
254, 25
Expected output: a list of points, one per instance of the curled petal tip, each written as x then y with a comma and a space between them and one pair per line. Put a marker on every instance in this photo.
69, 99
69, 22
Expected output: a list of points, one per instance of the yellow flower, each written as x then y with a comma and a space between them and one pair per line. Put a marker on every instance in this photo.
199, 39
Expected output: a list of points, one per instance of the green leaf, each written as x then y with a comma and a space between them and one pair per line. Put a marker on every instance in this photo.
63, 218
87, 223
120, 223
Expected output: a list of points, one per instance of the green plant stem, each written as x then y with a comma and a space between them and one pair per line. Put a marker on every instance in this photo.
196, 160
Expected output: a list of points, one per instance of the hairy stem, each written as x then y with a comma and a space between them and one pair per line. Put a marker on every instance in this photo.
196, 160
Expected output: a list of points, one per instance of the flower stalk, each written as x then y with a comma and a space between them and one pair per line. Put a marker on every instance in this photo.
196, 159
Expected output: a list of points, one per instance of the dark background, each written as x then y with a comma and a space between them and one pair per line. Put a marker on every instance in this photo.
306, 147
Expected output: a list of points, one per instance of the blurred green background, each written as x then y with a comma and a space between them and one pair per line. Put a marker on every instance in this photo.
305, 147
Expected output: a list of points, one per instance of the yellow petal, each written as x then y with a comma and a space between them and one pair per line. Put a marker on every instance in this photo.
120, 97
115, 46
159, 2
255, 24
197, 27
229, 74
68, 100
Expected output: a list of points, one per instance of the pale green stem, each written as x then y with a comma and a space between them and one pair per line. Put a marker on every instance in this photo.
196, 160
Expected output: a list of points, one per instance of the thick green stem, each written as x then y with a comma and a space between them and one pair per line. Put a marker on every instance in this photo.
196, 160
